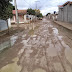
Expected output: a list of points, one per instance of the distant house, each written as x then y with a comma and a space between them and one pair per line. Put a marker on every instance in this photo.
65, 12
52, 16
21, 16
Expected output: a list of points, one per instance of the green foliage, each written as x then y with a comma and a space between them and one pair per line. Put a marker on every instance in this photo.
5, 9
31, 11
13, 7
40, 15
34, 12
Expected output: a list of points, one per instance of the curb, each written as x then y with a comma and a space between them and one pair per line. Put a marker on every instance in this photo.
63, 25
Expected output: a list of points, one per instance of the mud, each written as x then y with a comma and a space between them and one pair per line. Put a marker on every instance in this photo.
42, 48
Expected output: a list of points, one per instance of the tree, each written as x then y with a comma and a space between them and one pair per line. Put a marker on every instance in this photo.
5, 9
13, 7
37, 11
40, 15
31, 11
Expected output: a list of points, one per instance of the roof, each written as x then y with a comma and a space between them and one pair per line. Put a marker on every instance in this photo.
60, 6
68, 2
20, 11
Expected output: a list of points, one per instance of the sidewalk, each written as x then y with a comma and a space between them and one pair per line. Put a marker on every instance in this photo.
64, 24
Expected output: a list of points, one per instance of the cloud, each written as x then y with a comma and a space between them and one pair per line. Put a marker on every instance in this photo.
44, 5
49, 10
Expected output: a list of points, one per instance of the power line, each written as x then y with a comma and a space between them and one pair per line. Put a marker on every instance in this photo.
27, 2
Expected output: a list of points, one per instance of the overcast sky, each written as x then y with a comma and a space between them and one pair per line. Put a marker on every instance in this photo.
44, 5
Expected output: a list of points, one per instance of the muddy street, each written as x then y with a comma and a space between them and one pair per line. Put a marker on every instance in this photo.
42, 47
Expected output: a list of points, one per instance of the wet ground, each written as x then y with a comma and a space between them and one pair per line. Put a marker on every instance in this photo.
41, 47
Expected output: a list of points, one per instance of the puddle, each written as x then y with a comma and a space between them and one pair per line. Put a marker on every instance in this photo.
39, 70
13, 67
8, 43
55, 30
58, 67
51, 51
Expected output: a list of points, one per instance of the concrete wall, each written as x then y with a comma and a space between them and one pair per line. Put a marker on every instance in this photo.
3, 25
70, 13
65, 10
65, 14
60, 14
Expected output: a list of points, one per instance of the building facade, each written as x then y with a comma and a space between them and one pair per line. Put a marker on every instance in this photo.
21, 16
65, 12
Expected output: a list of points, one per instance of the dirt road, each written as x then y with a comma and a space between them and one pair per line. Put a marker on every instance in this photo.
43, 47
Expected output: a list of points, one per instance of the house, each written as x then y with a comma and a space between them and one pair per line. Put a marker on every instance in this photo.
52, 16
31, 17
21, 16
65, 12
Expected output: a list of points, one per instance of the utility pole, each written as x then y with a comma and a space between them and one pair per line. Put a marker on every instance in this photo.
16, 13
36, 3
36, 8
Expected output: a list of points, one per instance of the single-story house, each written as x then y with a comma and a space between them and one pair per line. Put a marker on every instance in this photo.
65, 12
22, 16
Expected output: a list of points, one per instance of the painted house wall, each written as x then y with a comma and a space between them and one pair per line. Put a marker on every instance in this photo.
13, 19
22, 19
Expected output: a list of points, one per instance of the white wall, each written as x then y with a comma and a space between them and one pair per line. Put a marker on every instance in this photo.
9, 23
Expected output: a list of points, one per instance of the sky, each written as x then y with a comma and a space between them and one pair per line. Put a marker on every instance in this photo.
45, 6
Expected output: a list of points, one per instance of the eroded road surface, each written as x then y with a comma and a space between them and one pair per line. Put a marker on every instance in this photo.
41, 49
